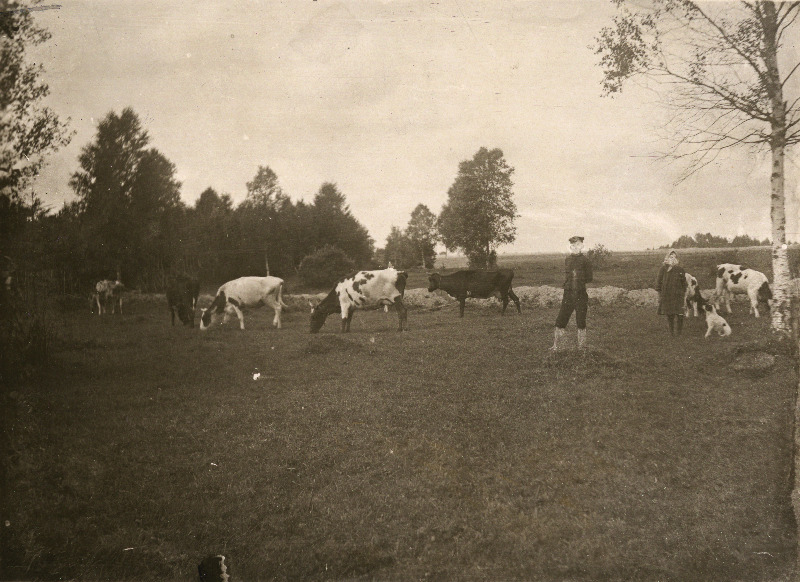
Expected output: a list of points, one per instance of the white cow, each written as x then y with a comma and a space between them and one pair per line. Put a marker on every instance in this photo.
693, 298
107, 292
245, 292
362, 290
735, 279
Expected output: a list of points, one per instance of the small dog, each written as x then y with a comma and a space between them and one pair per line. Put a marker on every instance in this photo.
715, 322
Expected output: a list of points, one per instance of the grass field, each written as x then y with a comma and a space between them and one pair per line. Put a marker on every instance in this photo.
459, 450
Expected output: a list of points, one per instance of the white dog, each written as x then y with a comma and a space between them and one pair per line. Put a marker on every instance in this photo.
715, 322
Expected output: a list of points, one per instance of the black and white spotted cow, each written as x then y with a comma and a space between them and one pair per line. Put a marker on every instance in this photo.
736, 279
694, 300
363, 290
245, 292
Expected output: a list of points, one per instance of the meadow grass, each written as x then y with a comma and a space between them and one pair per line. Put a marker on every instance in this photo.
459, 450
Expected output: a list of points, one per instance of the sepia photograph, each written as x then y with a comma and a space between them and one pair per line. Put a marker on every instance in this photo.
399, 290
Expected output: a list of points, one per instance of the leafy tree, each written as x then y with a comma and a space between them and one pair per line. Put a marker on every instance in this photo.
125, 193
599, 256
334, 224
422, 233
28, 130
479, 213
264, 191
400, 250
208, 233
262, 229
684, 242
720, 61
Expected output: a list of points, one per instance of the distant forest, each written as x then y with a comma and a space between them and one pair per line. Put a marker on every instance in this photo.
708, 241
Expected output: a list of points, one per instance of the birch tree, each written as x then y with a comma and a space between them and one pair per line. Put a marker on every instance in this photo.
723, 72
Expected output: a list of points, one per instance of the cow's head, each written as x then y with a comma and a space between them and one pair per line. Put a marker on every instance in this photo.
205, 318
318, 317
186, 314
433, 282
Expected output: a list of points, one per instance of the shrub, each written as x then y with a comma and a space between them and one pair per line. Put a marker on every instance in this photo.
599, 256
325, 266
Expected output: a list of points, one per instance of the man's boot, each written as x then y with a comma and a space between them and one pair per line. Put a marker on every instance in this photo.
556, 336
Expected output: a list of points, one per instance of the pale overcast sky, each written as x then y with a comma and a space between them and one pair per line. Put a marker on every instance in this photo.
385, 98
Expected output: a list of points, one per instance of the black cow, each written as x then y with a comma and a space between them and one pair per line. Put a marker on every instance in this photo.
182, 293
476, 284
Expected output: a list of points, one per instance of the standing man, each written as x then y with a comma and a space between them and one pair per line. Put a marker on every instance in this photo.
579, 272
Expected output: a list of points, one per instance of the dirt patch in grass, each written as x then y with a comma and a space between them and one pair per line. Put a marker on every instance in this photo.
587, 363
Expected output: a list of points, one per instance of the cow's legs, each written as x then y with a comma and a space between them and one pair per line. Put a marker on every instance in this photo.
276, 306
515, 299
231, 308
172, 314
402, 314
461, 301
347, 317
754, 305
504, 297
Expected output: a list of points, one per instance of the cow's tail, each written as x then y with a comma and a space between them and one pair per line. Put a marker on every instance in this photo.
280, 296
400, 284
765, 291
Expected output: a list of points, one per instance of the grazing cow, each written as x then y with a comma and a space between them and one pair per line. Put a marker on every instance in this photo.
363, 290
693, 298
476, 284
107, 293
714, 321
736, 279
242, 293
182, 292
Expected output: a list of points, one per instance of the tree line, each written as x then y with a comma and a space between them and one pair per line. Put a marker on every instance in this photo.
128, 221
708, 240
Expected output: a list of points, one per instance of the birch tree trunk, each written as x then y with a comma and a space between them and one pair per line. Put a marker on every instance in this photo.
781, 311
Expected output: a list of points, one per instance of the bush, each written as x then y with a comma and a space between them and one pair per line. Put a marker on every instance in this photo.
599, 256
325, 266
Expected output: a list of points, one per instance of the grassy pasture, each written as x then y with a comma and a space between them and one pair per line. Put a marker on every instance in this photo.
460, 450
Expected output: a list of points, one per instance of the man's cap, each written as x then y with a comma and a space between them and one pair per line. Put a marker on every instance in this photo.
574, 239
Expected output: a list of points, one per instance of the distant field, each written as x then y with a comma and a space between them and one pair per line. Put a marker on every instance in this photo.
629, 270
459, 450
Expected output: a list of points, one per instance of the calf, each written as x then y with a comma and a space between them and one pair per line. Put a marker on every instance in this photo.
362, 290
182, 292
693, 298
242, 293
736, 279
107, 293
476, 284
